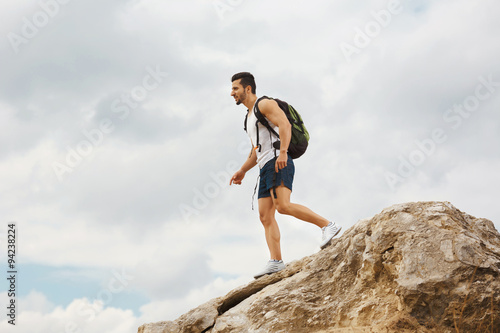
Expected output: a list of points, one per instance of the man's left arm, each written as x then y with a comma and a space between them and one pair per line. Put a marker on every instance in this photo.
270, 109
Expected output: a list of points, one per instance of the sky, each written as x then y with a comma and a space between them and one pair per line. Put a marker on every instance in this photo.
118, 137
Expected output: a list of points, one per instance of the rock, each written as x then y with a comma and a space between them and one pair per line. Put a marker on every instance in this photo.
415, 267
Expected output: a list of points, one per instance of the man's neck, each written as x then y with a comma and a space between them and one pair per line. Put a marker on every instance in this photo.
250, 101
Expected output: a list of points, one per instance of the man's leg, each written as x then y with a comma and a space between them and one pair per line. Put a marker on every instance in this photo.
267, 211
284, 206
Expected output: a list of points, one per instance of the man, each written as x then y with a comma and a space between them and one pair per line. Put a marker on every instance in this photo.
276, 170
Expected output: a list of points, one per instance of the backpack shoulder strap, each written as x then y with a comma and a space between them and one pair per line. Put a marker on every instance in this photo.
258, 114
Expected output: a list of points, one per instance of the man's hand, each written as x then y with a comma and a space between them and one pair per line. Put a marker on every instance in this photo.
237, 177
281, 161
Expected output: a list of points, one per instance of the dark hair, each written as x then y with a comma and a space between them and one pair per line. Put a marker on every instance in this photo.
247, 79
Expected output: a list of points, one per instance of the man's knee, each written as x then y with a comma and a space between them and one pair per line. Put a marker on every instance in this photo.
283, 208
266, 218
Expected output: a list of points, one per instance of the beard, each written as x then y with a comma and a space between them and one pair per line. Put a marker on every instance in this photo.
242, 97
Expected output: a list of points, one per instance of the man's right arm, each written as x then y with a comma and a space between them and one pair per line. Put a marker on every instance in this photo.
249, 164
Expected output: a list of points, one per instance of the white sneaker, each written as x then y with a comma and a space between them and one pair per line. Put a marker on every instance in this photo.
272, 266
330, 231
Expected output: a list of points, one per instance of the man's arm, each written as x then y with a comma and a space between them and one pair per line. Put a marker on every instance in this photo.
270, 109
249, 163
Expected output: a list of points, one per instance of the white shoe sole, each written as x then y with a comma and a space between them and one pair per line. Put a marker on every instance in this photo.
330, 240
267, 273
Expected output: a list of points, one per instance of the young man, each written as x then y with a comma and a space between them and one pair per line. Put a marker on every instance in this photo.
276, 170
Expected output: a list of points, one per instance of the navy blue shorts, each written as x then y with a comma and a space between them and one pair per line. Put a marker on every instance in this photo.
267, 173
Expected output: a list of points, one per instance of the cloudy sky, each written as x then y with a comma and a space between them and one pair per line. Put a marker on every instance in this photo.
118, 138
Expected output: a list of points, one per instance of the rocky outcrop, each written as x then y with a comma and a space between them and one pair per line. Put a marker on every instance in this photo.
415, 267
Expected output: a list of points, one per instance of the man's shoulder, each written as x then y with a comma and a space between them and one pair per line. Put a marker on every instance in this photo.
265, 103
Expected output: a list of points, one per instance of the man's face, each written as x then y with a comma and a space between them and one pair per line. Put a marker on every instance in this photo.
238, 92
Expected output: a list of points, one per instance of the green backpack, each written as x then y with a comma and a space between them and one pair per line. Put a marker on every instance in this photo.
300, 136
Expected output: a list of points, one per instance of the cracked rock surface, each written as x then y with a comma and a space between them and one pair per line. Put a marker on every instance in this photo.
415, 267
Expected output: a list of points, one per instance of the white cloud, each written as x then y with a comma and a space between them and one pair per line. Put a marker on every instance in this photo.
80, 316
